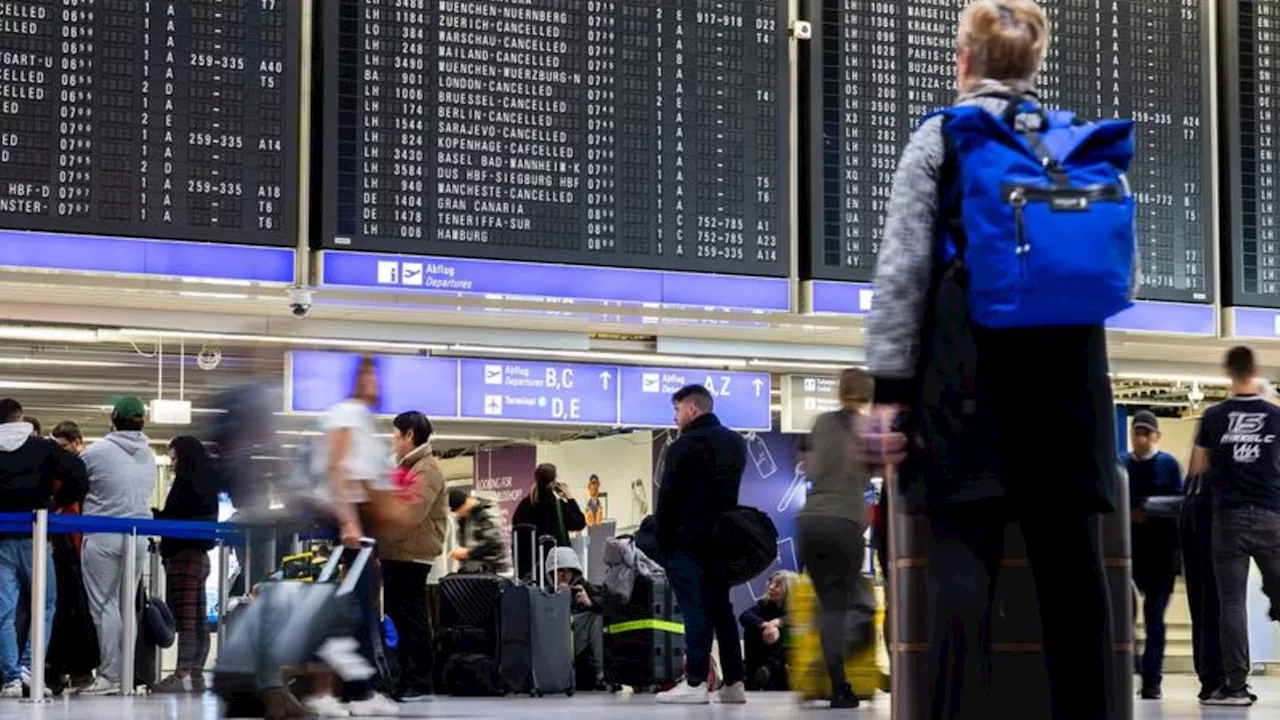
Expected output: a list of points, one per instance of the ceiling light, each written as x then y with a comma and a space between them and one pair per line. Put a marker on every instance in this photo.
598, 355
58, 362
1162, 377
1152, 403
204, 294
34, 333
275, 339
8, 384
801, 365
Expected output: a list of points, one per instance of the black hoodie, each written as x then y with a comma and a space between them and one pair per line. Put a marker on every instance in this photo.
28, 467
190, 498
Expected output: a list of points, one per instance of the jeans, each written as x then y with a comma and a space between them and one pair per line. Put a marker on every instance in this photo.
708, 615
1195, 530
404, 589
15, 577
103, 562
1155, 601
965, 546
1238, 535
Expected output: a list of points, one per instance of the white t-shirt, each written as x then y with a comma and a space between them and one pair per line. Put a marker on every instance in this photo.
367, 457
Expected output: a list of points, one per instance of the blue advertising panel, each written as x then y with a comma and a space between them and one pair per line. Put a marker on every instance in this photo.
741, 398
151, 258
539, 391
320, 380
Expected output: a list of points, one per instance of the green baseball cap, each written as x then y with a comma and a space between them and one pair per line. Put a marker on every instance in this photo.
128, 407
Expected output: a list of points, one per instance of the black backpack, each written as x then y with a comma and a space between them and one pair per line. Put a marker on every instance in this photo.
746, 541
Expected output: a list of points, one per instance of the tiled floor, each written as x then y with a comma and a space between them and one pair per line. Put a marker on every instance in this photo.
1179, 704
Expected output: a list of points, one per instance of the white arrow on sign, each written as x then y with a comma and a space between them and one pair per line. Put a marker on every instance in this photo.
341, 655
757, 383
605, 375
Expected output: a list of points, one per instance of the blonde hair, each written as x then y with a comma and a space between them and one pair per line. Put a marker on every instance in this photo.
1007, 39
789, 580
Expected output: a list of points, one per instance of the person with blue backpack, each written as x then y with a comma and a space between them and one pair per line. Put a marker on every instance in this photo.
1008, 243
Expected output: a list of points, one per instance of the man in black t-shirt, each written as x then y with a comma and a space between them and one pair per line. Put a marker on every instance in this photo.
1238, 447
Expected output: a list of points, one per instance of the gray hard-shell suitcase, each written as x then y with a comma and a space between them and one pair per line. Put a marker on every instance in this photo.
537, 632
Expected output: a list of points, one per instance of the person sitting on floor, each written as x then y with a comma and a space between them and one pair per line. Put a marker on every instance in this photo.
564, 569
764, 627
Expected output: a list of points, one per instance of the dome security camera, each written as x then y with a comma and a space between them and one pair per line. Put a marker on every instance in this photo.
299, 302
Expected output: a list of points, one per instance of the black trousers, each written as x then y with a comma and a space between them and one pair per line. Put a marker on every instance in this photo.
404, 588
1241, 534
966, 544
1195, 527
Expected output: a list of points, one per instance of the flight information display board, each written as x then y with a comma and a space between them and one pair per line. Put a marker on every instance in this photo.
877, 67
170, 119
1252, 32
624, 133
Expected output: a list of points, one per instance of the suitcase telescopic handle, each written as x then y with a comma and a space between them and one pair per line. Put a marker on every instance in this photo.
532, 530
335, 559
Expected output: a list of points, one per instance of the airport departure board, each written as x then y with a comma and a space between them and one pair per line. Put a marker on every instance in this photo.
625, 133
877, 66
1252, 95
169, 119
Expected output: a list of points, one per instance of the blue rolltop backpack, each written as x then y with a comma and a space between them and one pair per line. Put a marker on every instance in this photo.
1042, 221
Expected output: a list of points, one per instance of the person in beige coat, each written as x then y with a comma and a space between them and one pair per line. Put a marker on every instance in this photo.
406, 554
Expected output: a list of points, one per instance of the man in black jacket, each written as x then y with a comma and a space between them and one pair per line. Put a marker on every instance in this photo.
700, 480
28, 467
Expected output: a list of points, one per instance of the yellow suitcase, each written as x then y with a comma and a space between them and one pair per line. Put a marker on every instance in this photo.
806, 671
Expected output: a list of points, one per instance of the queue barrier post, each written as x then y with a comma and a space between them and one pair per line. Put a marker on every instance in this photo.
159, 587
128, 611
39, 595
224, 592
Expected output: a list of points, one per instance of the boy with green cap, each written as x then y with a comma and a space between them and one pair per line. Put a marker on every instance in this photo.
122, 477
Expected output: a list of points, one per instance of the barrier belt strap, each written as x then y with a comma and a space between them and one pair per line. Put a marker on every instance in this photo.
650, 624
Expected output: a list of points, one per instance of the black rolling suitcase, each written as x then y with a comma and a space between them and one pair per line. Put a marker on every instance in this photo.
644, 638
536, 655
469, 613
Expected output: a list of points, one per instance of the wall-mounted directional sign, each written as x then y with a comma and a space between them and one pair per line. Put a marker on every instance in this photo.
741, 398
500, 389
805, 397
539, 391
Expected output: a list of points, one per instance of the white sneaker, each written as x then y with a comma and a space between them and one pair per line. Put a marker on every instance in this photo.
735, 694
12, 690
100, 686
26, 682
684, 694
377, 705
326, 706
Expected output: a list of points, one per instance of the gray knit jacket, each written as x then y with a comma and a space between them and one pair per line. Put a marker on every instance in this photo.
905, 264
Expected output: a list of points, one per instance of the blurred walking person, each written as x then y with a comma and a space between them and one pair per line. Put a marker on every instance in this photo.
354, 463
832, 526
